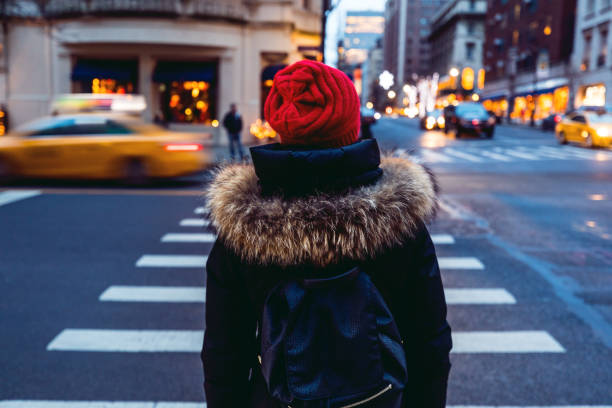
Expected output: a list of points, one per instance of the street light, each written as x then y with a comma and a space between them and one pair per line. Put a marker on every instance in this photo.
406, 88
391, 94
454, 72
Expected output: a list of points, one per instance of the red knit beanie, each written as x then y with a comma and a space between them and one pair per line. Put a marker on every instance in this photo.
313, 104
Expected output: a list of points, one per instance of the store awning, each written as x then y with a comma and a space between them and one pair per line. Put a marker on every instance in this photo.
168, 71
271, 70
120, 70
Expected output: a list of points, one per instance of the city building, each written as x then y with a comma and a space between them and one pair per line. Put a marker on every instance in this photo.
456, 40
406, 49
189, 58
361, 31
527, 52
591, 62
372, 68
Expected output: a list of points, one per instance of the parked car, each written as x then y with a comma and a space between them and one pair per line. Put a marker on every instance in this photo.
94, 146
433, 120
472, 118
550, 122
588, 128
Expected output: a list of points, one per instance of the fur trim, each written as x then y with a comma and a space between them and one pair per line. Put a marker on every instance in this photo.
320, 229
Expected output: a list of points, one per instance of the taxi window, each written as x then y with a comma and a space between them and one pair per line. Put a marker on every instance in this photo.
82, 128
579, 119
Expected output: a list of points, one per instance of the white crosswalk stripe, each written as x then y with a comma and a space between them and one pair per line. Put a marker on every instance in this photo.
465, 262
463, 155
442, 239
172, 261
505, 342
469, 296
171, 294
520, 155
496, 156
435, 157
189, 237
10, 196
194, 222
200, 210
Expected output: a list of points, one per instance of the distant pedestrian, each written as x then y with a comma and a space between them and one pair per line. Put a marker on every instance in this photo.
232, 122
323, 287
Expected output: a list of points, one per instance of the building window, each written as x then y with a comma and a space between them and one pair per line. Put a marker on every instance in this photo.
605, 4
469, 51
515, 37
586, 51
603, 46
470, 27
472, 5
517, 12
590, 6
306, 4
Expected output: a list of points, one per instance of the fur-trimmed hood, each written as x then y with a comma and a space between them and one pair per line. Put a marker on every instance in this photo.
323, 228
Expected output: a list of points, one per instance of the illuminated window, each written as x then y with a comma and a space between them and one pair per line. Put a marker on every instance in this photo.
188, 102
603, 46
515, 37
586, 51
517, 12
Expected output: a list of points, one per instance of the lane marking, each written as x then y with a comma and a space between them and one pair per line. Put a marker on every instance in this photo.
470, 296
189, 237
10, 196
442, 239
466, 262
194, 222
128, 341
178, 404
462, 155
520, 155
172, 261
171, 294
434, 157
200, 210
528, 341
580, 152
554, 154
496, 156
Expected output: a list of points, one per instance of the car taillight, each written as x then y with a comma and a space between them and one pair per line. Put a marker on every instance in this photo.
475, 122
183, 147
557, 118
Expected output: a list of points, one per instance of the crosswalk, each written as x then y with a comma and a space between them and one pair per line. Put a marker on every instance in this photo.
109, 340
486, 154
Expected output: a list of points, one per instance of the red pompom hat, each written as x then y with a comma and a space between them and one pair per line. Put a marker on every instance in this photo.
313, 104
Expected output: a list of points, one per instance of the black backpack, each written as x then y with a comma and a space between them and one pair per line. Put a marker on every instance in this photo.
332, 343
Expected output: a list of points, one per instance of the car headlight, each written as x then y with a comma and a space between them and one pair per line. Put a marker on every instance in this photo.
441, 121
430, 122
602, 132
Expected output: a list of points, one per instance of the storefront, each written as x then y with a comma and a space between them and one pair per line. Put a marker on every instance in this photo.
540, 104
592, 95
187, 91
497, 104
97, 75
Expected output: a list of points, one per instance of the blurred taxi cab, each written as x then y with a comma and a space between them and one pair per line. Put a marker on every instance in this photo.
94, 146
589, 128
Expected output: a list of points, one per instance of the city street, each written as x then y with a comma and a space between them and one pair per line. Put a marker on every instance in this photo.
102, 295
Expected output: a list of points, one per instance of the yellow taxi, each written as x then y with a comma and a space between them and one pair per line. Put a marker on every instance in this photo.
589, 128
94, 146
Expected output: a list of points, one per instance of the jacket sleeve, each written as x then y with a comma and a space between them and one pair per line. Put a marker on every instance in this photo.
229, 339
429, 343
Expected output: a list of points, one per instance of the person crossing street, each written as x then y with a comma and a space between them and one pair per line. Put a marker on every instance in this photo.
232, 122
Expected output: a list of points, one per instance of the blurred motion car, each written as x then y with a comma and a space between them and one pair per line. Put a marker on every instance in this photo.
94, 146
433, 120
471, 118
550, 122
589, 128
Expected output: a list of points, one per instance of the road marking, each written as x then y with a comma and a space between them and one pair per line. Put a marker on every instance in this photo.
189, 237
505, 342
496, 156
520, 155
434, 157
194, 222
172, 294
585, 154
554, 153
10, 196
470, 296
462, 155
128, 341
97, 404
168, 404
442, 239
172, 261
200, 210
459, 263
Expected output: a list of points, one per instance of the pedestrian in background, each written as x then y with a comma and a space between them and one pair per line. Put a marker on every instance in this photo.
232, 122
323, 287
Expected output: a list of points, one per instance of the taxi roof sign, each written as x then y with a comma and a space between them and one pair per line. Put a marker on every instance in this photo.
117, 103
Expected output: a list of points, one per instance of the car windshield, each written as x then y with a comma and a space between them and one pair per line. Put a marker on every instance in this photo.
471, 109
436, 112
599, 118
44, 123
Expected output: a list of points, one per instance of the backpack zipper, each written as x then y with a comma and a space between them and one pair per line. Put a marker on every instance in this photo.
370, 398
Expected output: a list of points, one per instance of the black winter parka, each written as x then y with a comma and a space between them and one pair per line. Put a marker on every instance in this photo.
312, 213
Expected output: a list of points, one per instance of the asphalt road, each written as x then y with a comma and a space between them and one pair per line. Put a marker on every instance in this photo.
90, 312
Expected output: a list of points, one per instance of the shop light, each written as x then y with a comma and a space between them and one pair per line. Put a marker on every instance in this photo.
377, 115
369, 105
269, 83
475, 97
183, 147
188, 111
391, 94
195, 92
215, 123
454, 72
